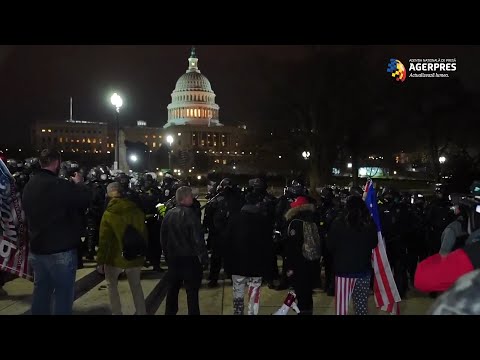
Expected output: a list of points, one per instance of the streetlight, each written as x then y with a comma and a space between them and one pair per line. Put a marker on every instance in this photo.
134, 158
170, 142
116, 101
306, 155
442, 159
349, 165
199, 177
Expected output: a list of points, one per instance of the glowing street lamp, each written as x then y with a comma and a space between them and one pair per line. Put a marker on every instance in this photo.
349, 165
116, 101
170, 142
134, 158
442, 159
199, 177
306, 155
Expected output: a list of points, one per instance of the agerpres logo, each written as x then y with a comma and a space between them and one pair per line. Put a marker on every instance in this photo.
422, 68
397, 70
432, 68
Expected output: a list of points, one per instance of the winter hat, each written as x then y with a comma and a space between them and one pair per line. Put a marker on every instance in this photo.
299, 201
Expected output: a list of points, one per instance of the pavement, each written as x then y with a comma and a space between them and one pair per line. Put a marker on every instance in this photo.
91, 297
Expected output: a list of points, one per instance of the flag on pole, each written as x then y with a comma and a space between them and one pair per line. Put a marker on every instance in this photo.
13, 232
385, 290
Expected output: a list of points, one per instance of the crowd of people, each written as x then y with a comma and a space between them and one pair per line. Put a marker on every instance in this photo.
128, 225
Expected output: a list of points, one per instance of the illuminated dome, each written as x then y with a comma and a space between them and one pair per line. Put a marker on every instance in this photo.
193, 100
193, 80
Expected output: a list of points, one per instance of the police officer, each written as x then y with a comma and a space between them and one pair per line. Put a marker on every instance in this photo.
150, 197
167, 191
31, 166
437, 216
97, 183
217, 212
397, 225
128, 192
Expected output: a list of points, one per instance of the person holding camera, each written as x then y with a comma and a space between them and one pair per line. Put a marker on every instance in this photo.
53, 210
122, 223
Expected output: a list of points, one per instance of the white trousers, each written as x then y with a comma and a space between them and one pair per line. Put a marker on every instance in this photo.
133, 276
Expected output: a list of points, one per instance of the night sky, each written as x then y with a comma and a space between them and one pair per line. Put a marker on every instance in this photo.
37, 81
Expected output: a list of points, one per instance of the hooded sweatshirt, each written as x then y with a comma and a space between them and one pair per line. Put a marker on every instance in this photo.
119, 214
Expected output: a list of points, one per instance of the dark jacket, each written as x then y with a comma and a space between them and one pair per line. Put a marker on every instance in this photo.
249, 243
53, 210
294, 241
182, 234
351, 248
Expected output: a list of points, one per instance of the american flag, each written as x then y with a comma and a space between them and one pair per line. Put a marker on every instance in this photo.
385, 290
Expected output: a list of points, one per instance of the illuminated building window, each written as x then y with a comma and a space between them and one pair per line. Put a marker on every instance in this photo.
193, 135
108, 145
146, 136
146, 143
88, 140
214, 135
61, 139
217, 161
111, 145
223, 143
43, 130
72, 140
49, 130
179, 134
208, 135
78, 141
83, 140
154, 144
236, 144
223, 135
94, 141
203, 142
224, 162
154, 136
214, 143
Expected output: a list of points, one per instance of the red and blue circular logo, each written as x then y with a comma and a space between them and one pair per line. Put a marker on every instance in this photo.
397, 70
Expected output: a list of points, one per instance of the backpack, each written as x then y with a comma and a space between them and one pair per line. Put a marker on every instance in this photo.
134, 245
312, 243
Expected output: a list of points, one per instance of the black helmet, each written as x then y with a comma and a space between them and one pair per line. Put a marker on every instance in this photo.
257, 184
12, 165
32, 165
326, 193
475, 188
94, 174
104, 172
356, 191
225, 183
21, 179
148, 177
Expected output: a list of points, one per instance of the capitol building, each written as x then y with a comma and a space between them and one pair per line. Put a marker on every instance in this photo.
192, 120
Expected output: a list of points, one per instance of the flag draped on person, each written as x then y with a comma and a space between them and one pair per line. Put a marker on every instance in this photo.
385, 290
13, 232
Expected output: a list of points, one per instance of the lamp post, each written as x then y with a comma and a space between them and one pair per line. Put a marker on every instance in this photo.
116, 101
306, 155
170, 142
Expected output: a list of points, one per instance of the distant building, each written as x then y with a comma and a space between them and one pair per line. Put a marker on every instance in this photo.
73, 136
193, 121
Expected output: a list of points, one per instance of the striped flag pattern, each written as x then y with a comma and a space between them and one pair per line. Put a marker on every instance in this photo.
13, 236
385, 290
343, 293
